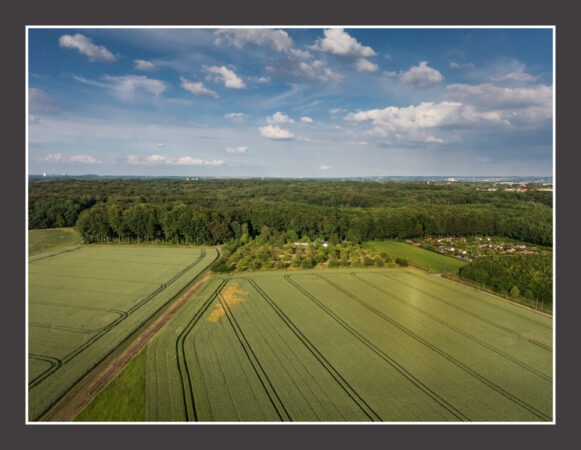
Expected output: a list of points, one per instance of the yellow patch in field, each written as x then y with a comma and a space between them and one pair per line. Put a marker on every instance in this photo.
231, 295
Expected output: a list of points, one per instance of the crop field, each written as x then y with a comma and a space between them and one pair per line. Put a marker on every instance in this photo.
426, 259
83, 302
43, 240
366, 345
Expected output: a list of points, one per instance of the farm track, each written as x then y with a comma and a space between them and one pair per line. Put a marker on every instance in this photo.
113, 324
456, 329
269, 388
50, 253
70, 404
333, 372
388, 359
442, 353
181, 360
479, 317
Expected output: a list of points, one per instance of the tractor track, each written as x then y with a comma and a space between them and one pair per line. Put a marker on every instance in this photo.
456, 329
71, 403
333, 372
523, 404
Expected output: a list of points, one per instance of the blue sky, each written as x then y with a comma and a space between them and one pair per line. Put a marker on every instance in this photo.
291, 102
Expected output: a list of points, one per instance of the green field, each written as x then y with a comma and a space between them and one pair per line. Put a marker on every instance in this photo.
83, 302
388, 345
43, 240
425, 259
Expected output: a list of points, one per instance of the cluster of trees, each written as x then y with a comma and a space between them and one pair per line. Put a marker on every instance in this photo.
215, 211
518, 276
273, 250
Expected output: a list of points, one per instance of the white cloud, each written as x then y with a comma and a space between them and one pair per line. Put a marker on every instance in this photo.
141, 64
279, 117
488, 96
421, 76
313, 71
517, 77
53, 157
457, 65
40, 102
340, 43
59, 157
237, 150
235, 116
418, 123
160, 145
84, 159
84, 45
165, 160
263, 79
306, 119
128, 86
275, 132
364, 65
197, 88
227, 76
324, 167
336, 111
239, 37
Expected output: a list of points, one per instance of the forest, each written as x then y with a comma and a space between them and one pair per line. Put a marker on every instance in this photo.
215, 211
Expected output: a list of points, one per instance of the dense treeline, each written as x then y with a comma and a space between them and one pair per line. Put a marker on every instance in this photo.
528, 276
214, 211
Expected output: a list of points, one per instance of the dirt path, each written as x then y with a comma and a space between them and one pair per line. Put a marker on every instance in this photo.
79, 396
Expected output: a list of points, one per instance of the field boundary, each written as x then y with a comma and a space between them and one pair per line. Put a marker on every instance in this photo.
68, 406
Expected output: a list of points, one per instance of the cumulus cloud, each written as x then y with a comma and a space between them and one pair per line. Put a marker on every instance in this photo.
421, 121
197, 88
468, 108
40, 102
84, 159
165, 160
128, 86
278, 40
336, 111
488, 96
227, 76
235, 116
84, 45
457, 65
324, 167
237, 150
364, 65
313, 71
141, 64
516, 77
275, 132
279, 117
421, 76
306, 119
338, 42
53, 157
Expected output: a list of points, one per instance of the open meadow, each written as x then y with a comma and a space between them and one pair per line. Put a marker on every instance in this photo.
425, 259
42, 240
388, 345
83, 302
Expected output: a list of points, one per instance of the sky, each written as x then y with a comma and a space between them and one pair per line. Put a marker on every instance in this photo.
290, 102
